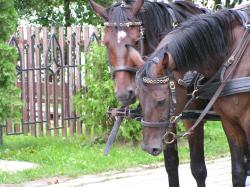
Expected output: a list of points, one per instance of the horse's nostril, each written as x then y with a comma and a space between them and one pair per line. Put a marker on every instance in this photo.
130, 94
156, 151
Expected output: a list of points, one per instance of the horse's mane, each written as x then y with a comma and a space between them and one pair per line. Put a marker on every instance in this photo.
203, 41
154, 16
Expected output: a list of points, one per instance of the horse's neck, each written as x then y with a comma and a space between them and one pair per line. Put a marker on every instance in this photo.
183, 13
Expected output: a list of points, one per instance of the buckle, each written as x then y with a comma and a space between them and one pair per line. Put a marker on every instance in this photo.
173, 119
175, 24
247, 25
193, 94
172, 85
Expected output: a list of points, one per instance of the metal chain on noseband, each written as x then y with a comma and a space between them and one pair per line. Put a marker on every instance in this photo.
162, 80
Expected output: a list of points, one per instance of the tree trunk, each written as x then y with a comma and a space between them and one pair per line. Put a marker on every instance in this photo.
67, 16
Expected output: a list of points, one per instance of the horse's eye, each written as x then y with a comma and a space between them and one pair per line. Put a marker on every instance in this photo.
161, 102
137, 42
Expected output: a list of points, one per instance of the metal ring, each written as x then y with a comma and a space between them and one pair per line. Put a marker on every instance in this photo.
194, 92
172, 119
165, 137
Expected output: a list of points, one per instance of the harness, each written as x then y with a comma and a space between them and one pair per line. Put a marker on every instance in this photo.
223, 87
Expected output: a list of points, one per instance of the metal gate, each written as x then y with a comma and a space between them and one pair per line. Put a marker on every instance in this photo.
49, 75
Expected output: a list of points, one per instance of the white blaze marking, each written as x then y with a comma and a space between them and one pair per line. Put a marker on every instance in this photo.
121, 35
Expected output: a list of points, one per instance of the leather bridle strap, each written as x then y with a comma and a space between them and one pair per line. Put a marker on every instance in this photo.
172, 91
123, 68
154, 124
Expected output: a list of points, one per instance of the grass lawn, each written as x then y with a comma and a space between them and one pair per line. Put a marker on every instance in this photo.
74, 156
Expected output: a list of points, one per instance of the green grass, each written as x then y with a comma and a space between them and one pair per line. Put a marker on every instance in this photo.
74, 156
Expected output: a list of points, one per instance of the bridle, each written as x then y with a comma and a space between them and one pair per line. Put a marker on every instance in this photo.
132, 70
170, 81
168, 124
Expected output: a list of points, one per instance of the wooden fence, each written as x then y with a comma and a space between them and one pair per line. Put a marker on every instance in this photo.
49, 75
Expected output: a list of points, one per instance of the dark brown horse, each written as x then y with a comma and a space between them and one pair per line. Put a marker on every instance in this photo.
142, 24
217, 46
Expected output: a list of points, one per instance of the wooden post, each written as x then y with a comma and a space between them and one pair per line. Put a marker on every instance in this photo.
46, 87
70, 81
31, 82
39, 105
78, 73
23, 81
63, 85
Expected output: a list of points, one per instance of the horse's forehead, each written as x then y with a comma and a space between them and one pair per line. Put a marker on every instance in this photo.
121, 35
160, 91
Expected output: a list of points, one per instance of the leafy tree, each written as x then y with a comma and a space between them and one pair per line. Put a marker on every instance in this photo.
8, 92
219, 4
58, 12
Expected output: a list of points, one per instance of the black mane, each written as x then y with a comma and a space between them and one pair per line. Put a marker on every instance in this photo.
155, 17
199, 40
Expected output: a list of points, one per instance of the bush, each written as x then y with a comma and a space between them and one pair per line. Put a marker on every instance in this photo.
9, 94
99, 95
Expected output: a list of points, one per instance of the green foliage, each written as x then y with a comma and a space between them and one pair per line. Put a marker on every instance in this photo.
99, 96
8, 92
58, 12
77, 12
7, 19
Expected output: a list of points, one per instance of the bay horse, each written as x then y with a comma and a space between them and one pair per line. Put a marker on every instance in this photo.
217, 46
142, 24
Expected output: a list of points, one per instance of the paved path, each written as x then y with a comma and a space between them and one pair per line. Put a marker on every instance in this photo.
219, 175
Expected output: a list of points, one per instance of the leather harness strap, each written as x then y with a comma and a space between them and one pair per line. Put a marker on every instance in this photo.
231, 62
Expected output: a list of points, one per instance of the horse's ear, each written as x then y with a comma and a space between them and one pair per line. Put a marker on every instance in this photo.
135, 56
136, 6
168, 62
171, 62
100, 10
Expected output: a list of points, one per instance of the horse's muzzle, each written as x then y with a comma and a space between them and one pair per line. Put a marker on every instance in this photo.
155, 151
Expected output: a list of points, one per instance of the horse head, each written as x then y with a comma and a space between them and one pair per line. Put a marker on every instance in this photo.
122, 29
158, 90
